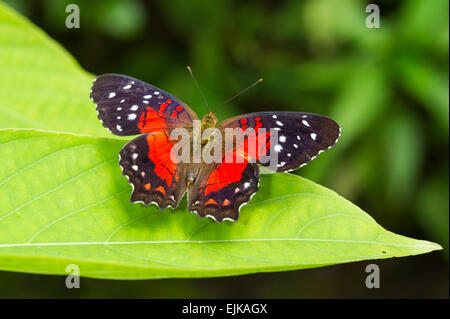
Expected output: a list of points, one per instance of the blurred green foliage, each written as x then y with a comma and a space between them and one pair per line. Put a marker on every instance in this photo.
387, 88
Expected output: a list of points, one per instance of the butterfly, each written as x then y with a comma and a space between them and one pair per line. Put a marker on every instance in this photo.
127, 106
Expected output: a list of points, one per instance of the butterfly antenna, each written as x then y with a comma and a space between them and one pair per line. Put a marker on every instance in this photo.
198, 87
236, 95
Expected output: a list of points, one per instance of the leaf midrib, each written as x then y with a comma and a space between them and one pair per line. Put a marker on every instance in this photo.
150, 242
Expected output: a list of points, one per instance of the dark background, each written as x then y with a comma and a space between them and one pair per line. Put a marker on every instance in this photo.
387, 88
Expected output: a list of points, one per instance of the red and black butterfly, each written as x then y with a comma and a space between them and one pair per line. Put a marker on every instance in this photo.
127, 106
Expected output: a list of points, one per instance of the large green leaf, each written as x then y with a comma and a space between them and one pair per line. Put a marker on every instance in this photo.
64, 201
41, 86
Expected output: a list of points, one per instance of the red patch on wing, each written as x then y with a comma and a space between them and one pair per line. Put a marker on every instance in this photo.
223, 175
162, 107
211, 201
151, 120
161, 190
253, 146
160, 148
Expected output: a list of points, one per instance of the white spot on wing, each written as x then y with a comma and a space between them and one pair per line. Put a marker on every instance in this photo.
134, 107
281, 164
131, 116
282, 138
278, 148
313, 136
111, 95
305, 123
126, 87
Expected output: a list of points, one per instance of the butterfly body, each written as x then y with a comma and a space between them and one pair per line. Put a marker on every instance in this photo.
217, 189
209, 121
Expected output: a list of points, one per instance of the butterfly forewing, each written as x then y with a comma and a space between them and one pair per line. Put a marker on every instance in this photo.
127, 106
299, 137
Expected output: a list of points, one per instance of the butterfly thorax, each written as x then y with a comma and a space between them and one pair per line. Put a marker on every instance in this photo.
209, 121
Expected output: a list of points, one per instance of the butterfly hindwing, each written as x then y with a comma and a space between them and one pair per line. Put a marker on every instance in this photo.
127, 106
300, 136
222, 188
146, 161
